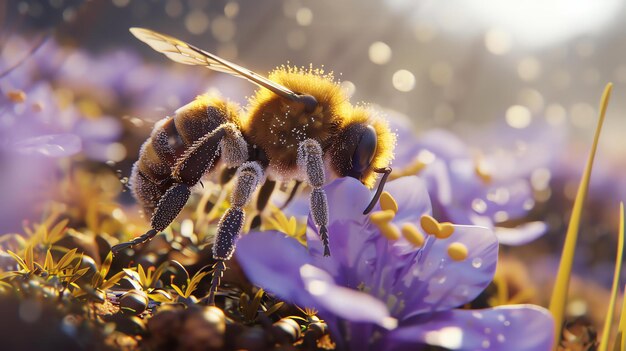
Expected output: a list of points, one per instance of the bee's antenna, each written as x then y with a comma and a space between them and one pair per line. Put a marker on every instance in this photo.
381, 185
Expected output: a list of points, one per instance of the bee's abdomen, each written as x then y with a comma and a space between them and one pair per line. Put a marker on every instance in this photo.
170, 138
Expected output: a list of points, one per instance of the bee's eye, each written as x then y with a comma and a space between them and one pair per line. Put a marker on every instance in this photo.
310, 103
364, 152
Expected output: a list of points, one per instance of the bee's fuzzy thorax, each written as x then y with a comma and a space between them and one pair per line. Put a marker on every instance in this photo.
278, 125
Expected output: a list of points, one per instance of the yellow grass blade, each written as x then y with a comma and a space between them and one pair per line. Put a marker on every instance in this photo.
559, 294
604, 342
622, 323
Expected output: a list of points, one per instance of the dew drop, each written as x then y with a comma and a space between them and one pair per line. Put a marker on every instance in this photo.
486, 344
441, 279
487, 330
501, 318
477, 262
507, 323
479, 205
500, 338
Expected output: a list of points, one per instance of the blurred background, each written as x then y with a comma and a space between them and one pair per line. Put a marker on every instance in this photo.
493, 72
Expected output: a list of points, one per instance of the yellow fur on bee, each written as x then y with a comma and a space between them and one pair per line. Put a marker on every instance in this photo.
200, 104
278, 126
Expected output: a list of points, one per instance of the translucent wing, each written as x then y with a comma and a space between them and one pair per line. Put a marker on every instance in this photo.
179, 51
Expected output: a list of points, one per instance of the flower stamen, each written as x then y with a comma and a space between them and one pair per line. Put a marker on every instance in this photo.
387, 202
389, 230
412, 234
457, 251
16, 96
429, 224
382, 217
445, 230
433, 227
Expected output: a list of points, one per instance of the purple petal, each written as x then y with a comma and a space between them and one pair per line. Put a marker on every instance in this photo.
444, 144
519, 328
346, 303
522, 234
56, 145
436, 282
105, 128
412, 198
347, 198
413, 202
272, 261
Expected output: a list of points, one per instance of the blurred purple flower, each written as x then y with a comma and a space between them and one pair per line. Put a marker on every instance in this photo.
480, 188
377, 294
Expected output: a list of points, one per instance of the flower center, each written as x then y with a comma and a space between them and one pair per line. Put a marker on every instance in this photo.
383, 221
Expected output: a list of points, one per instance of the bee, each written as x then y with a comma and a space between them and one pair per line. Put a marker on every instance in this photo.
298, 125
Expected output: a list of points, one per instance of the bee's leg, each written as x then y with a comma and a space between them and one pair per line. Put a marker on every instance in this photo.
261, 201
167, 209
249, 175
310, 158
187, 172
200, 157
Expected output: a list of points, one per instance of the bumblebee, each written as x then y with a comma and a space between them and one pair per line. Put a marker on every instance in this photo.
299, 126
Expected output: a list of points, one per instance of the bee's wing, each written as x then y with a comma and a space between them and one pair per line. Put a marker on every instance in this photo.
179, 51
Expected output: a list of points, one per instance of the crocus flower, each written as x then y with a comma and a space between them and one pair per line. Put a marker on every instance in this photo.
480, 188
382, 291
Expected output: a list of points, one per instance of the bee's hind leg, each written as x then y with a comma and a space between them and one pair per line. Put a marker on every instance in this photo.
249, 176
310, 158
166, 211
227, 141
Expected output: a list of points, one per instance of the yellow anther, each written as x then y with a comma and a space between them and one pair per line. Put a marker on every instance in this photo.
430, 225
16, 96
380, 217
412, 234
389, 230
387, 202
457, 251
445, 230
483, 174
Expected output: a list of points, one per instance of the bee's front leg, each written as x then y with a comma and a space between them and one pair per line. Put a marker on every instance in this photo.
310, 158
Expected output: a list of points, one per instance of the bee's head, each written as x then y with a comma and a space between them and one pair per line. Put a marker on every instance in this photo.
363, 145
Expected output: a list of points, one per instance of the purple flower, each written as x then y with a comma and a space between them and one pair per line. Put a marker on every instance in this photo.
380, 294
479, 188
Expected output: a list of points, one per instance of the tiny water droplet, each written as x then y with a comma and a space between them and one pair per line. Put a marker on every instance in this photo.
501, 318
507, 323
487, 330
477, 262
486, 344
500, 338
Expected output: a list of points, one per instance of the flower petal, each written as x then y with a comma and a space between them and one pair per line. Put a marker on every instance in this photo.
347, 198
412, 198
272, 261
346, 303
53, 145
519, 327
436, 282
